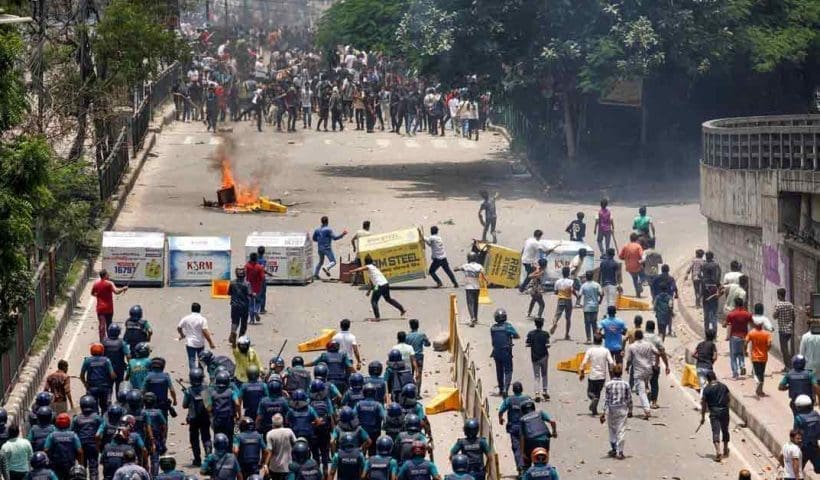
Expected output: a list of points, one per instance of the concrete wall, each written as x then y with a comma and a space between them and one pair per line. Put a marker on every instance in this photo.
744, 244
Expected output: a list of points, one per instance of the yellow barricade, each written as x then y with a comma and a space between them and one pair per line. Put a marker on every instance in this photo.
689, 377
318, 343
573, 364
630, 303
484, 295
446, 400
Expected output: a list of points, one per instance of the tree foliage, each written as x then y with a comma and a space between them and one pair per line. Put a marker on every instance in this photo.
364, 24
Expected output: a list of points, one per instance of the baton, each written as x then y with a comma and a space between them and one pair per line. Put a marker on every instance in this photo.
281, 349
700, 425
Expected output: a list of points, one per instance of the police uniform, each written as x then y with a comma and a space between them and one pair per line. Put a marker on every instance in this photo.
297, 378
116, 350
809, 424
171, 475
337, 368
86, 427
501, 335
380, 385
199, 420
221, 466
403, 446
98, 372
396, 376
320, 441
155, 420
37, 435
541, 471
249, 446
535, 433
799, 382
512, 406
268, 407
309, 470
223, 410
251, 394
137, 371
474, 449
348, 464
112, 457
62, 447
159, 383
136, 331
352, 397
379, 467
371, 416
417, 469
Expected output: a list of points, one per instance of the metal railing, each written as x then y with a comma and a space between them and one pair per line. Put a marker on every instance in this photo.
157, 93
474, 403
48, 276
770, 142
112, 169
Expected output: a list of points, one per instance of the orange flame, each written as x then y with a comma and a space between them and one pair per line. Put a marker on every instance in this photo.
246, 194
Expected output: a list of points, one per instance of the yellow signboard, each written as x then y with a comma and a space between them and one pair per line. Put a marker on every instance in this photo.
399, 254
502, 266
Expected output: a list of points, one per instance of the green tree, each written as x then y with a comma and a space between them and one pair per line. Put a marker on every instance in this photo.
780, 32
363, 24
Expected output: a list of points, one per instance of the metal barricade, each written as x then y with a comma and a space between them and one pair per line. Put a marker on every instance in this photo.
113, 167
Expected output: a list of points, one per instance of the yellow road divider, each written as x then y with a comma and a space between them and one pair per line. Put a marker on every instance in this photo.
573, 364
484, 295
689, 376
446, 400
318, 343
631, 303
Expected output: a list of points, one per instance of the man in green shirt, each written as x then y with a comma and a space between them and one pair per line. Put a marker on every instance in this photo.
642, 224
15, 455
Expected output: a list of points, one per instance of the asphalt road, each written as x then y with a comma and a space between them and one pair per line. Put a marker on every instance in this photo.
398, 182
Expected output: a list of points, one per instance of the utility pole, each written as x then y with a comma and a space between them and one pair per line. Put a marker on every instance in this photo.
39, 66
207, 11
226, 19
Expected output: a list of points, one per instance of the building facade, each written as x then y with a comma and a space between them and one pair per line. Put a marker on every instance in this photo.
760, 191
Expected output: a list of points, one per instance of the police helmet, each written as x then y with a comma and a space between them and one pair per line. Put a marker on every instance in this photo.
223, 379
356, 380
409, 391
246, 424
419, 448
114, 331
799, 362
347, 415
384, 445
4, 416
460, 463
77, 472
96, 349
39, 460
540, 454
277, 362
135, 312
394, 410
275, 387
472, 257
348, 441
471, 428
369, 391
320, 371
375, 368
301, 451
317, 386
500, 315
412, 423
206, 357
44, 415
88, 404
142, 350
129, 421
43, 399
149, 399
63, 421
122, 396
527, 406
297, 361
221, 442
517, 388
158, 363
244, 343
167, 463
802, 401
196, 376
394, 356
298, 396
253, 373
332, 346
135, 399
115, 413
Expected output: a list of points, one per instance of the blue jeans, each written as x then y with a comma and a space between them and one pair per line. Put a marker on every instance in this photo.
737, 355
193, 356
325, 253
262, 298
590, 324
409, 119
637, 279
503, 370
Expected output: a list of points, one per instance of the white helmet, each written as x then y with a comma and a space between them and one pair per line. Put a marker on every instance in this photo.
802, 401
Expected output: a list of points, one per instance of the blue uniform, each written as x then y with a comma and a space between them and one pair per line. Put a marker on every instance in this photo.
541, 471
417, 469
512, 407
502, 335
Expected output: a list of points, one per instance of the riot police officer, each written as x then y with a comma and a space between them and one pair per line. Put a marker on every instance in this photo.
214, 363
113, 453
43, 399
39, 468
348, 462
168, 465
799, 381
198, 418
540, 469
461, 466
252, 392
136, 411
303, 467
86, 425
355, 392
410, 405
63, 447
97, 374
158, 429
248, 447
139, 366
339, 365
405, 441
808, 421
534, 431
297, 377
111, 421
371, 415
512, 406
348, 423
398, 374
375, 378
417, 467
276, 367
137, 329
38, 433
224, 407
222, 464
160, 384
323, 407
474, 447
118, 352
269, 406
394, 422
502, 335
320, 373
381, 465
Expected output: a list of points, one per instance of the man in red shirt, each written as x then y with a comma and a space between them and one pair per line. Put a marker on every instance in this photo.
104, 290
737, 327
632, 255
255, 276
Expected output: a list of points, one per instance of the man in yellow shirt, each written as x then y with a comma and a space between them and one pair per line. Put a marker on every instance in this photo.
564, 288
244, 356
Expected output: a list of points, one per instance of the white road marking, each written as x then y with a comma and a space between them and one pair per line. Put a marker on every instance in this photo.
383, 142
410, 143
78, 330
439, 143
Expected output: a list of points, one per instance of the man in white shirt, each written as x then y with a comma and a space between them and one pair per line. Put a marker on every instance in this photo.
473, 276
439, 257
791, 458
279, 443
453, 105
599, 359
347, 342
193, 328
529, 256
408, 353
